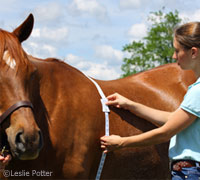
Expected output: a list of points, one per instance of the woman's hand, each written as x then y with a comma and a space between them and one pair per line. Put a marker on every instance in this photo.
110, 143
118, 101
4, 161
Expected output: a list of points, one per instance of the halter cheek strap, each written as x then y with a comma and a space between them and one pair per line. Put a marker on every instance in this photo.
13, 108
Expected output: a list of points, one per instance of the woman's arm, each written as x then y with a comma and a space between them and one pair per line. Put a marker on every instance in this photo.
153, 115
178, 121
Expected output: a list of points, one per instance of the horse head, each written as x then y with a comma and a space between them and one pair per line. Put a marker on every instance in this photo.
19, 129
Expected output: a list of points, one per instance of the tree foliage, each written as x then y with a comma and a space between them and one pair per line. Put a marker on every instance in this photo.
154, 49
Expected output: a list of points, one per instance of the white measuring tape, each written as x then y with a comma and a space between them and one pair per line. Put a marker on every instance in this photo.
106, 110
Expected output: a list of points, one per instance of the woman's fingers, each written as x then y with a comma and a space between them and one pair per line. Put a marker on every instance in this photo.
112, 96
110, 143
113, 100
117, 100
7, 159
4, 161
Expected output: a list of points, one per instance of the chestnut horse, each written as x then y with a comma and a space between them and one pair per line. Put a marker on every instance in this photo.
67, 109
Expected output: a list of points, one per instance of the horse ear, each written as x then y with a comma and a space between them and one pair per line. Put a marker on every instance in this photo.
24, 30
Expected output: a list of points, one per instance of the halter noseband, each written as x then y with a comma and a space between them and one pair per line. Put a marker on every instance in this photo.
13, 108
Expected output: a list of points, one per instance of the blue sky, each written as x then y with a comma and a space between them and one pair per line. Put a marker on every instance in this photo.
88, 34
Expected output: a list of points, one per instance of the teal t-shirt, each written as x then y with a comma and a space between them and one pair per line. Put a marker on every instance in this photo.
186, 144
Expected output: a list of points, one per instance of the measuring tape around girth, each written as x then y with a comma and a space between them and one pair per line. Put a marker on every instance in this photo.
106, 110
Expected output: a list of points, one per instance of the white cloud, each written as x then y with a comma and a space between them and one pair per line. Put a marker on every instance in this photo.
49, 49
72, 59
137, 31
136, 4
54, 34
40, 50
96, 70
48, 12
91, 7
101, 71
143, 5
36, 33
130, 4
194, 16
108, 53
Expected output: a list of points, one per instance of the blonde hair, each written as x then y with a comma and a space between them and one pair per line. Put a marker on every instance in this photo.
188, 35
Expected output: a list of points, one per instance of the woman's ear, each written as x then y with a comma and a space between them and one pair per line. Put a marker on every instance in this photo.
194, 52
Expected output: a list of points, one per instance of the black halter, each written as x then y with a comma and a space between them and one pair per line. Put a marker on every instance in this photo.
13, 108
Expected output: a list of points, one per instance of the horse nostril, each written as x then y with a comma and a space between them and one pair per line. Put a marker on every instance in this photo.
19, 141
22, 140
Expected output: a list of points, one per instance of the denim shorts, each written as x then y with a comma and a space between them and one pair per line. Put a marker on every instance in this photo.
189, 173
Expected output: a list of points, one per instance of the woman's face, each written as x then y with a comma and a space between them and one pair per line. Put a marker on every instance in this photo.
182, 56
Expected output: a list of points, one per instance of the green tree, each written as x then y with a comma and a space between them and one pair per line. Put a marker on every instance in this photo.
154, 49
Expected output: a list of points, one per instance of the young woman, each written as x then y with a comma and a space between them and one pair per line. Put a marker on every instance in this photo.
181, 126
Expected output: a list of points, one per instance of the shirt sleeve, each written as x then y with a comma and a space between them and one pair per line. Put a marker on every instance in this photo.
191, 102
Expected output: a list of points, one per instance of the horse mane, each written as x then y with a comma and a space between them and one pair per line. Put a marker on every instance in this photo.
49, 59
10, 42
53, 60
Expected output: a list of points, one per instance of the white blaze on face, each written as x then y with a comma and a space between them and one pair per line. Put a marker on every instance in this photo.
9, 60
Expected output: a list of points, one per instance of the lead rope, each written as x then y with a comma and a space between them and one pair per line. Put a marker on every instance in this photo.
106, 110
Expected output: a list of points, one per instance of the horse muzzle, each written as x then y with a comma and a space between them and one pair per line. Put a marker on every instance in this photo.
24, 137
27, 146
